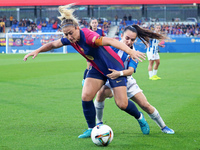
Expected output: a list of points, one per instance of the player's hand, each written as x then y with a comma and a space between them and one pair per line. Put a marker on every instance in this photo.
34, 54
114, 74
137, 55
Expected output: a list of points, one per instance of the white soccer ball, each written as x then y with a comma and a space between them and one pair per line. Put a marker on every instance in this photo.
102, 135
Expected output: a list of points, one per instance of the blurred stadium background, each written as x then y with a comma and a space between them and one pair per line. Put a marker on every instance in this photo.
40, 100
180, 20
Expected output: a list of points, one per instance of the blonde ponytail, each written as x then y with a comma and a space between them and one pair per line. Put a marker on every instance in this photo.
67, 17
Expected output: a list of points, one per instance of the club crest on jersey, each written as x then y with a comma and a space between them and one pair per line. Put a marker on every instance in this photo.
82, 49
90, 57
129, 59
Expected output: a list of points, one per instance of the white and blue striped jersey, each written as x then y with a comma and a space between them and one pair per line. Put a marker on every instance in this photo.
153, 46
127, 60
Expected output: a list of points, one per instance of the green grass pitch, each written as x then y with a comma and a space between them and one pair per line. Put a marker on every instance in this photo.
40, 104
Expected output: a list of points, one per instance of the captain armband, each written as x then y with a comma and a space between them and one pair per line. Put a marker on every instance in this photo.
99, 41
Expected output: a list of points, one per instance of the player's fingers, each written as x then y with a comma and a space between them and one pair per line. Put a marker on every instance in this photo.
137, 59
108, 75
142, 56
111, 69
34, 56
25, 58
114, 77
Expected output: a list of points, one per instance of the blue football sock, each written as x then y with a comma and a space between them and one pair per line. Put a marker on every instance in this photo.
89, 113
132, 110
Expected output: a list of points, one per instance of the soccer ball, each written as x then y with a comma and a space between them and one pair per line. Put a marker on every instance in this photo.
102, 135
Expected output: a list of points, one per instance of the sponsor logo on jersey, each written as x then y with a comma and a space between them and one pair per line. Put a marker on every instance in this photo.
90, 57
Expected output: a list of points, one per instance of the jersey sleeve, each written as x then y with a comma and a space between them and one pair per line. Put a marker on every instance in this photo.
133, 64
90, 37
65, 41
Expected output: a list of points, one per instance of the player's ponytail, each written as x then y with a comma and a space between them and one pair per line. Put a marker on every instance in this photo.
145, 35
67, 18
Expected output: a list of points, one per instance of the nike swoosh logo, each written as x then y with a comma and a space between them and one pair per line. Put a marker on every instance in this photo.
118, 81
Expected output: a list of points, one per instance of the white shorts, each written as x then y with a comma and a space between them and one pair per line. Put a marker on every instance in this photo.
132, 87
152, 56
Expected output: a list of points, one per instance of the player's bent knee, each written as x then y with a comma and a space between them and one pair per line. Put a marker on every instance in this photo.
122, 105
87, 97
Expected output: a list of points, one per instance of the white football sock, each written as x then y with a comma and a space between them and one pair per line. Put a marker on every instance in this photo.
157, 118
99, 106
150, 74
154, 72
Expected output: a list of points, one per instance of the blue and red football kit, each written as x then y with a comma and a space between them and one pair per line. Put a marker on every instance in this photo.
100, 32
101, 58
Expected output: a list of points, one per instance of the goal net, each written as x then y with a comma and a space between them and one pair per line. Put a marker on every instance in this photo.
28, 42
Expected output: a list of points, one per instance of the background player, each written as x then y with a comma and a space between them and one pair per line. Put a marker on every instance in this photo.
153, 56
133, 91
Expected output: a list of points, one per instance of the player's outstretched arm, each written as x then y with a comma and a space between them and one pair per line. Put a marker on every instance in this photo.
119, 45
44, 48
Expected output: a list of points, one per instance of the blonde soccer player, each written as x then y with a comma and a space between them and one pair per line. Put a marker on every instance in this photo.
96, 49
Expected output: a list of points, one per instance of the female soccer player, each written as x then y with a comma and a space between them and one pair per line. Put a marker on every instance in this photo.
133, 91
102, 58
153, 56
93, 27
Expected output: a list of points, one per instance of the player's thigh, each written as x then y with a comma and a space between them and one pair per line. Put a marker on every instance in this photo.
120, 95
151, 62
157, 61
90, 88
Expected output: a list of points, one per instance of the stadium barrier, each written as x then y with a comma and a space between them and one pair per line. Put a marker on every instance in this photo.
27, 42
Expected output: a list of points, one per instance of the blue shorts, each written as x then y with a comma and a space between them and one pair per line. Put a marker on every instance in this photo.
93, 73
